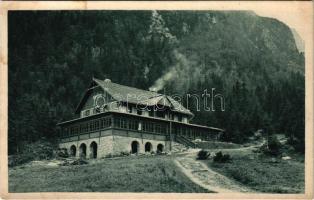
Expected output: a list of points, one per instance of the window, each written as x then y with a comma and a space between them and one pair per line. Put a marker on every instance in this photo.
123, 123
158, 128
84, 128
108, 122
117, 122
148, 126
145, 126
197, 134
76, 130
174, 130
97, 125
102, 123
87, 113
91, 126
129, 109
160, 114
105, 122
191, 135
184, 133
120, 123
151, 112
179, 118
139, 112
133, 125
63, 132
164, 128
185, 119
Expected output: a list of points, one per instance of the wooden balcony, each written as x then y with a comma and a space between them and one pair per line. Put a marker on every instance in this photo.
94, 125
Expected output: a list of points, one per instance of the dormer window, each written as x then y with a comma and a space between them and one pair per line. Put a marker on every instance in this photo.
87, 113
99, 100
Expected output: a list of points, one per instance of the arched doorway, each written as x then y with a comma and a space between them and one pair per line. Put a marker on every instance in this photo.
73, 151
93, 150
160, 148
148, 147
135, 147
83, 150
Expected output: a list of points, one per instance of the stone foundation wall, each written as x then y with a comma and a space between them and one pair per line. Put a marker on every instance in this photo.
115, 141
104, 144
124, 143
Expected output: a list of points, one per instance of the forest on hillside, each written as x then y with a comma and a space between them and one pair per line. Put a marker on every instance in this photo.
252, 61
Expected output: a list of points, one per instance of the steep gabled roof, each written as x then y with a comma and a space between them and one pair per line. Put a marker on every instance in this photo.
138, 96
125, 93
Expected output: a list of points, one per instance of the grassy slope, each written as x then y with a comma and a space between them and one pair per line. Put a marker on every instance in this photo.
132, 174
263, 175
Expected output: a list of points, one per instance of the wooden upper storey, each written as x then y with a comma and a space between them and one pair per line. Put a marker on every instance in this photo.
104, 96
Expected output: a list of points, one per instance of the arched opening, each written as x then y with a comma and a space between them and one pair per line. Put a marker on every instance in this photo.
73, 151
83, 150
148, 147
135, 147
93, 150
160, 148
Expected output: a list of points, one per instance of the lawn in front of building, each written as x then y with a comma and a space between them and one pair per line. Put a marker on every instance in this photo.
263, 173
127, 174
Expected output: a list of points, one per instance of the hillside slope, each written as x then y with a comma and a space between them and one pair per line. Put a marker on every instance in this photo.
252, 61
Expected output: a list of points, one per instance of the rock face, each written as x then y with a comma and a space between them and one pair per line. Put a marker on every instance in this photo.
298, 40
242, 40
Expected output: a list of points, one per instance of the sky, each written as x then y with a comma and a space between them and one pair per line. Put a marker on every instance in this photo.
296, 15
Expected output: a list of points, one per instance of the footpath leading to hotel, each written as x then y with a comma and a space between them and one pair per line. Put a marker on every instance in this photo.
202, 175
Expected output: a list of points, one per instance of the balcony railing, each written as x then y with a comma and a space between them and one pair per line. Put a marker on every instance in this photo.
133, 123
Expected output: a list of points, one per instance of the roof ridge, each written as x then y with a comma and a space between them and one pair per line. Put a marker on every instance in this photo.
136, 88
157, 94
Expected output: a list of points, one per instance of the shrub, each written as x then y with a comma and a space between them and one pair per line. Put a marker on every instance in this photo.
124, 153
298, 145
19, 159
40, 150
203, 155
273, 147
79, 162
74, 162
220, 157
273, 144
62, 153
241, 176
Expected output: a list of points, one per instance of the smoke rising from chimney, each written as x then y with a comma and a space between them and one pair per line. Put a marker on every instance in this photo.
181, 64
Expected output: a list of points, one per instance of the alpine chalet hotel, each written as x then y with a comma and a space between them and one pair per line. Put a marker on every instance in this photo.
113, 119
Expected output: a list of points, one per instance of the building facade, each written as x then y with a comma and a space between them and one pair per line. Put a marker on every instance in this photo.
115, 119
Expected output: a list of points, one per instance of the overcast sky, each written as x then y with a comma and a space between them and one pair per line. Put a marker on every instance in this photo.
296, 15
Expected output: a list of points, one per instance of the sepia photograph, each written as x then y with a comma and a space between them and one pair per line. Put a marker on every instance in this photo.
155, 101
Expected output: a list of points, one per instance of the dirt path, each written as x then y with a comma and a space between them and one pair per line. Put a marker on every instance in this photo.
202, 175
